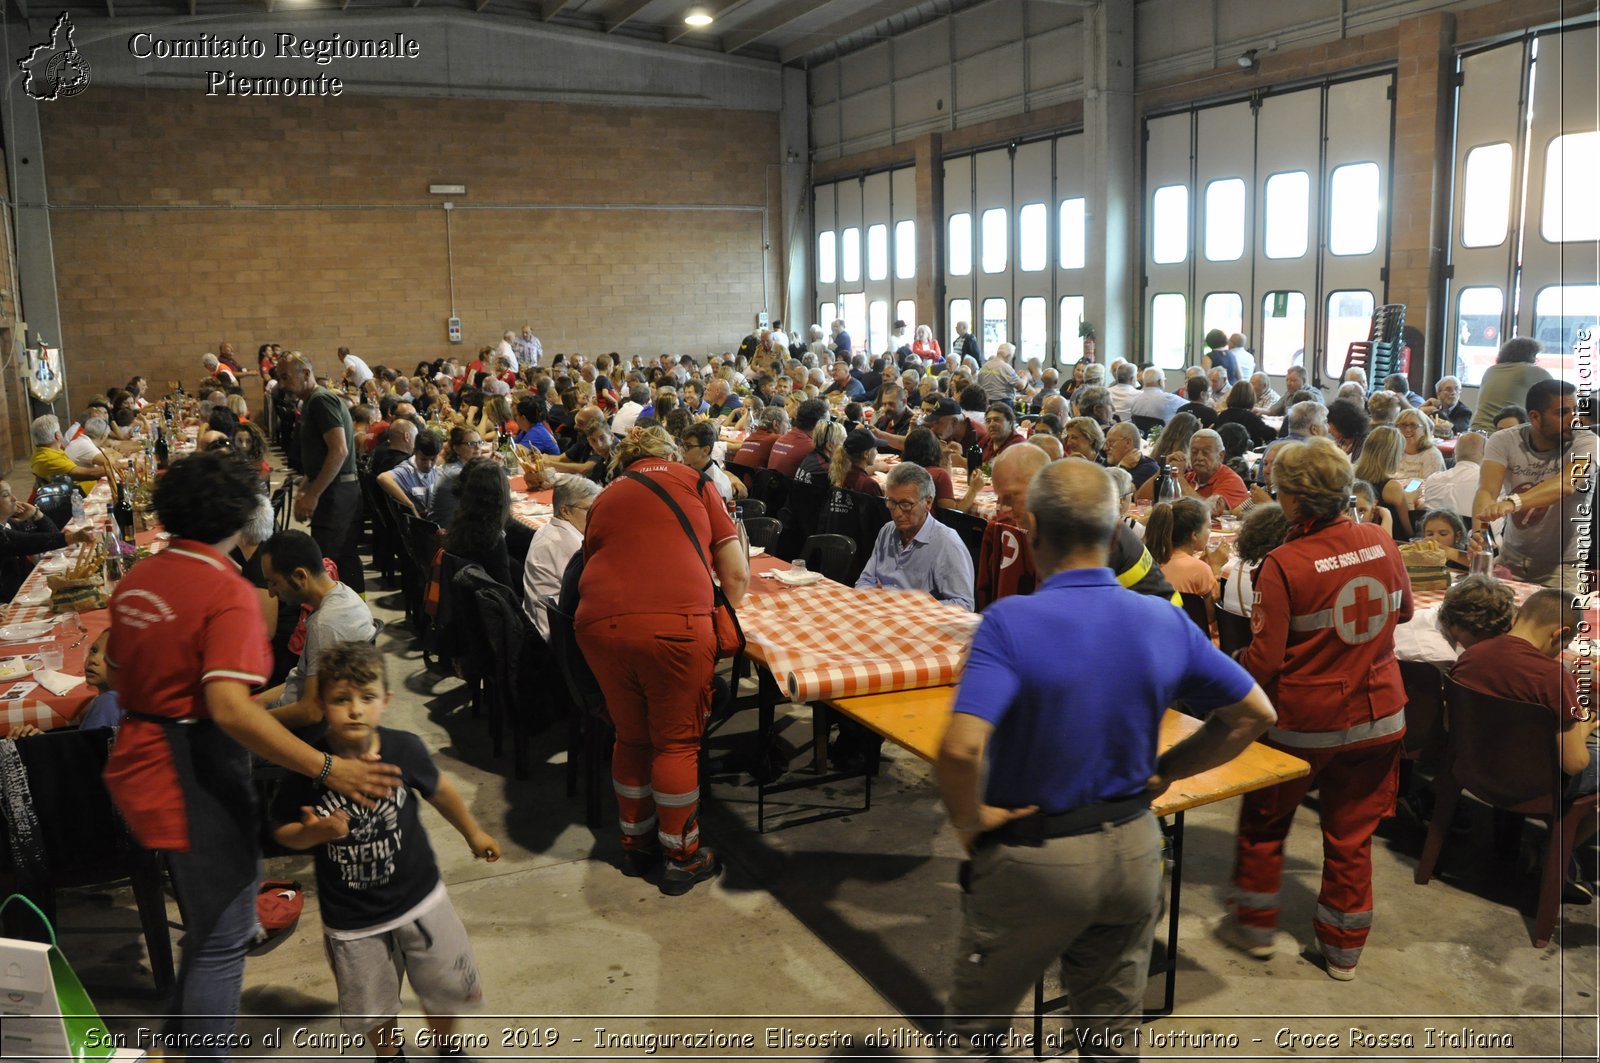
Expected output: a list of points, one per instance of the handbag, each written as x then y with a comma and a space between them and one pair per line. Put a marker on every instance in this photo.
724, 621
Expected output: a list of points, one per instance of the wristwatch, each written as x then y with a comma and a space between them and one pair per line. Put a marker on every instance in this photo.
1516, 502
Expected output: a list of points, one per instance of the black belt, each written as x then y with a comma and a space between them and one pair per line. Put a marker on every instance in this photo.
1038, 828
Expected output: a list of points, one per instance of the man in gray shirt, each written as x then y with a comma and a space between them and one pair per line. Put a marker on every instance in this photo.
291, 561
1540, 477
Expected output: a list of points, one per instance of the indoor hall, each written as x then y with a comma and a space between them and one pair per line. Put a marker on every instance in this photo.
1110, 181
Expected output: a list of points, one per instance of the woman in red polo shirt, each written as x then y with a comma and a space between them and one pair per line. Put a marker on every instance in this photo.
656, 638
180, 771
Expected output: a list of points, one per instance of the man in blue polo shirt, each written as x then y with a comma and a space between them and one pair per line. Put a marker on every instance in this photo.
1065, 852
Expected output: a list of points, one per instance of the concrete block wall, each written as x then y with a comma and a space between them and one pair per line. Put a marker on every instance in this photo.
179, 222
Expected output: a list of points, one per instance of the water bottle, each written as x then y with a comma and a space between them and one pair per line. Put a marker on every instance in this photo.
79, 518
1353, 510
744, 536
1167, 489
1481, 561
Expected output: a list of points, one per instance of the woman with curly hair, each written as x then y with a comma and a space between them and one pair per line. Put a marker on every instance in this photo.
1261, 533
477, 531
657, 638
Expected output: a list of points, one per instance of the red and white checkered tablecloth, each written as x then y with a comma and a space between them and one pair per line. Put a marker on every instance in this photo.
531, 509
1435, 595
32, 713
825, 640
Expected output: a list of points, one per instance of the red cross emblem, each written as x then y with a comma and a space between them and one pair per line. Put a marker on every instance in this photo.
1010, 549
1361, 610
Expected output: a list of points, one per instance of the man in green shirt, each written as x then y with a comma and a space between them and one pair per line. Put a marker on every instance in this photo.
330, 498
1506, 383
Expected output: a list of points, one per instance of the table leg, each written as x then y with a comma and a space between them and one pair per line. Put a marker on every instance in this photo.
766, 711
1175, 834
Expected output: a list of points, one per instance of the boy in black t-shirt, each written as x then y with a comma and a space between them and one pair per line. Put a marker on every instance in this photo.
384, 907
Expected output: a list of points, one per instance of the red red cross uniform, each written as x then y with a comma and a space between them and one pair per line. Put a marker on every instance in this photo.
1326, 608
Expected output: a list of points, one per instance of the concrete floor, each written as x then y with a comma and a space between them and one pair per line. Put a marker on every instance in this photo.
847, 926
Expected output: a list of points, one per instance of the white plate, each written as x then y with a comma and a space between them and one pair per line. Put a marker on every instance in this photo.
54, 565
757, 551
789, 576
39, 595
16, 668
29, 632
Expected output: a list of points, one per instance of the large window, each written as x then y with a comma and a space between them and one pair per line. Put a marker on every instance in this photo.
1169, 224
1353, 208
960, 244
850, 243
1224, 311
1478, 314
827, 314
906, 310
1349, 319
877, 327
905, 250
960, 310
877, 252
1571, 207
855, 317
1283, 331
1224, 220
1032, 236
1033, 333
1486, 196
1072, 233
995, 240
1169, 330
994, 325
1288, 214
827, 258
1071, 318
1565, 317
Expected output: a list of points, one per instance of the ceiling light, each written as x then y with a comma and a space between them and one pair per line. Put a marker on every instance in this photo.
698, 18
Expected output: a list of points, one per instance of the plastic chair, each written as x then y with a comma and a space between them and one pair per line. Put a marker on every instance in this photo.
1146, 424
1195, 606
801, 513
1507, 754
590, 731
81, 841
763, 531
500, 633
1233, 631
750, 507
746, 474
831, 555
283, 503
1425, 733
1383, 352
970, 528
771, 488
385, 533
54, 499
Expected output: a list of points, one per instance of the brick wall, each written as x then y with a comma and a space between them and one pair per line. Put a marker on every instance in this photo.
352, 250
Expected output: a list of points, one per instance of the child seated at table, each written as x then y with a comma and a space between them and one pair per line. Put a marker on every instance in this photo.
1445, 528
384, 907
1178, 536
104, 710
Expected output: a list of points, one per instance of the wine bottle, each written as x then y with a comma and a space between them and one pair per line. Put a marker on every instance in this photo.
163, 452
123, 511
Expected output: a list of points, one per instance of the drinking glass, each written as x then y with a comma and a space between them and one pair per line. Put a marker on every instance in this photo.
52, 655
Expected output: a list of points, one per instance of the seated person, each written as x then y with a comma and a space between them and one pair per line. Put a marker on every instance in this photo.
50, 458
532, 431
1477, 608
25, 531
1122, 451
1262, 531
1203, 474
696, 443
411, 483
921, 447
1000, 424
914, 551
477, 529
104, 710
1178, 537
852, 461
791, 448
553, 546
826, 439
1196, 389
1445, 528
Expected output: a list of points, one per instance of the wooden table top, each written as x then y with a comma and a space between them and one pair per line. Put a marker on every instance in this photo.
916, 721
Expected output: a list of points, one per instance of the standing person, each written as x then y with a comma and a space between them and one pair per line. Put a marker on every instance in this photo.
1539, 476
1324, 651
187, 644
1065, 854
658, 638
1506, 383
965, 345
1218, 356
330, 499
384, 907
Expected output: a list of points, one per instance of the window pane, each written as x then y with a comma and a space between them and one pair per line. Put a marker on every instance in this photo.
1353, 209
1032, 223
995, 249
1478, 313
1224, 220
877, 327
905, 250
1221, 310
1032, 330
1288, 214
1168, 329
851, 246
827, 258
994, 325
1169, 225
960, 243
1283, 331
1486, 196
1072, 237
1071, 317
906, 310
1571, 209
1560, 316
1349, 320
877, 252
855, 316
960, 310
827, 314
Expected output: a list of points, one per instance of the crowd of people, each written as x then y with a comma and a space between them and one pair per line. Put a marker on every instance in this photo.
628, 450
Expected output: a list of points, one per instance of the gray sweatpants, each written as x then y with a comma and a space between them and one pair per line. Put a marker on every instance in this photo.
1093, 901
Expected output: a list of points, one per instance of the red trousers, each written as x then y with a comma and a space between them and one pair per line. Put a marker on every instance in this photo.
1357, 791
655, 671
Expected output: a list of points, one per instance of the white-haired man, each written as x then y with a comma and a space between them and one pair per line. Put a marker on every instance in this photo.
507, 349
1153, 400
1454, 488
219, 372
1123, 391
1294, 379
50, 456
914, 551
1451, 416
998, 379
1266, 396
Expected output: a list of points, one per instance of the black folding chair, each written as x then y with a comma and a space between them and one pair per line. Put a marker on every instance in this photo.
831, 555
763, 531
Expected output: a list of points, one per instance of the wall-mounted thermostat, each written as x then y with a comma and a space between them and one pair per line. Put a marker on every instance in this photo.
454, 325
